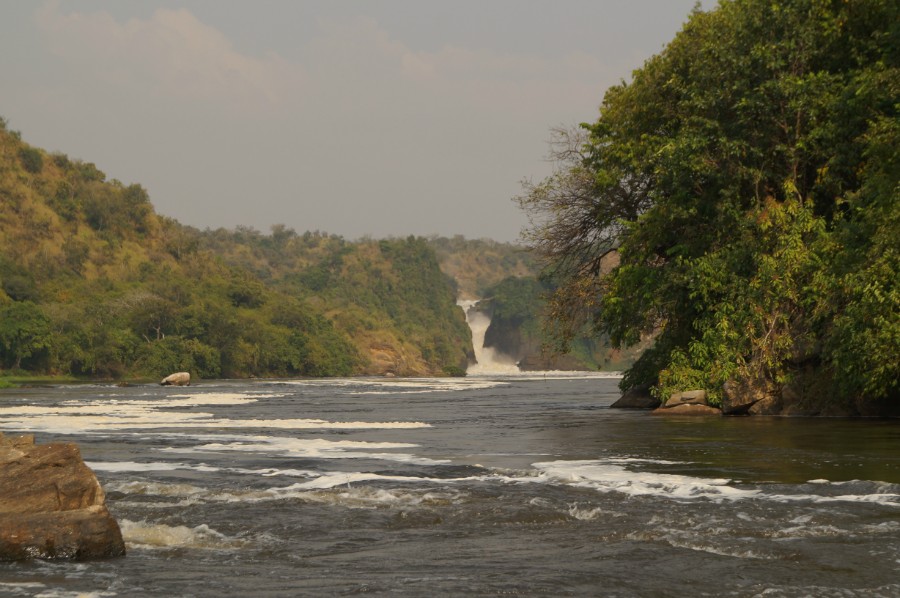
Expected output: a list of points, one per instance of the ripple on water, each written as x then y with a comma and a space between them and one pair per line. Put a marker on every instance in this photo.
144, 534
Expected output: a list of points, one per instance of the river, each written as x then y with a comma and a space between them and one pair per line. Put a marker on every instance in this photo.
484, 486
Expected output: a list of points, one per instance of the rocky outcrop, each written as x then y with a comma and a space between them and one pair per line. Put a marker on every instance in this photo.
687, 397
688, 409
688, 402
392, 358
177, 379
51, 504
637, 397
742, 396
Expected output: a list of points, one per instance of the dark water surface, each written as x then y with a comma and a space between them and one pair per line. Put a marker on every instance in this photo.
476, 486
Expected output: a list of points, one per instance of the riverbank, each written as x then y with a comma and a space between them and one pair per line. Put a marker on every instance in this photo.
744, 403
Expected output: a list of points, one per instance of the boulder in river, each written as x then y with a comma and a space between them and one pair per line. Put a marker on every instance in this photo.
51, 504
739, 395
177, 379
687, 397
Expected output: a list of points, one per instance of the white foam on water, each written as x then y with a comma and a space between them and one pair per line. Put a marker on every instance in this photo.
101, 416
608, 476
337, 479
271, 472
316, 448
392, 386
633, 460
367, 497
144, 534
56, 593
712, 548
215, 398
591, 514
808, 531
120, 466
886, 499
147, 488
343, 488
32, 589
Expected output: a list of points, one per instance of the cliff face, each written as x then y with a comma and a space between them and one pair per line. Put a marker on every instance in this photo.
516, 307
51, 504
515, 337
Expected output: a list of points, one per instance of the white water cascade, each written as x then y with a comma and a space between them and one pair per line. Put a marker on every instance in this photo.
489, 361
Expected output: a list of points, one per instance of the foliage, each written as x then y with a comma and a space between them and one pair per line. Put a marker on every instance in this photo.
747, 181
32, 160
24, 333
478, 264
94, 283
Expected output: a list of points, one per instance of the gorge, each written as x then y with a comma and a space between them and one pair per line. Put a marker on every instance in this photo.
488, 360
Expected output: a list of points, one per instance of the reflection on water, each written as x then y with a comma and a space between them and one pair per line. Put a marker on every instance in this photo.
483, 485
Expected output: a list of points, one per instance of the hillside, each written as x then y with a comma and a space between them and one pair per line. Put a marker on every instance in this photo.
478, 264
94, 283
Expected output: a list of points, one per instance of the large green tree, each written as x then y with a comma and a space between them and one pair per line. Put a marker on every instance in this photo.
746, 180
24, 333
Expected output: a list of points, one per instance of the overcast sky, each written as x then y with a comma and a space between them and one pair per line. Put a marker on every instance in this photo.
353, 117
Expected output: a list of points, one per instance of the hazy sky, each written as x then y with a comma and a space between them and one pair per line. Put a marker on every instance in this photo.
354, 117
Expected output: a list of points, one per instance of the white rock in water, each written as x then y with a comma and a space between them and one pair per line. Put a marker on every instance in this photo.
177, 379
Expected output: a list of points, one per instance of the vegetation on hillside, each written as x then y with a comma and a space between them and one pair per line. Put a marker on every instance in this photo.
389, 296
478, 264
748, 179
93, 283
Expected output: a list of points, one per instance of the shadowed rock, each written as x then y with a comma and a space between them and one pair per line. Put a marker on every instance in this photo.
51, 504
740, 395
638, 397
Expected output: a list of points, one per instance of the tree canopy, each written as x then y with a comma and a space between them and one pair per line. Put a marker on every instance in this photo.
746, 180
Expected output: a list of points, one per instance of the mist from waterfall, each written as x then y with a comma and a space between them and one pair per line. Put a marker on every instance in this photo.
488, 360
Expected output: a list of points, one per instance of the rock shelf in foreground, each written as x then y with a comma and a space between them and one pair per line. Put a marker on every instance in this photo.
51, 504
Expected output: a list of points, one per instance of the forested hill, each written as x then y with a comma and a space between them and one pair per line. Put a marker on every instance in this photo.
94, 283
478, 265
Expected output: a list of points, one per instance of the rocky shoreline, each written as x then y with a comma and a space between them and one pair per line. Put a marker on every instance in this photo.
51, 504
748, 399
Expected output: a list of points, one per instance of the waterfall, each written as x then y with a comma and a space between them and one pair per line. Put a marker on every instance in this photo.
488, 360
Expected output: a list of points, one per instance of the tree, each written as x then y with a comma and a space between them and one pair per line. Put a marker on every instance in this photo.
743, 177
32, 159
24, 332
